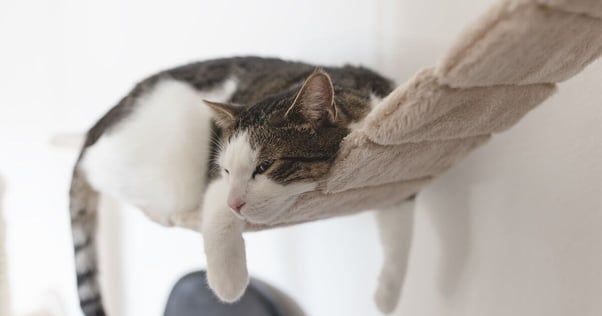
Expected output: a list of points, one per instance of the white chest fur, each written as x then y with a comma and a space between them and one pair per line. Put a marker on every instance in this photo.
157, 157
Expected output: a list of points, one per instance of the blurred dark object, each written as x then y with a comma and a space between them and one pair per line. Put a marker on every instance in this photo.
192, 297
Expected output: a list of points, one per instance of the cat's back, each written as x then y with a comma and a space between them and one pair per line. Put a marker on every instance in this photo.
247, 80
259, 77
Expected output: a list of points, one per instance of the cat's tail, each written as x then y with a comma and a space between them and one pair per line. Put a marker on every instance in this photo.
83, 206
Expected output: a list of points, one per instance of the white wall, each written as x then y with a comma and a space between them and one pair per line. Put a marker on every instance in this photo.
514, 229
4, 287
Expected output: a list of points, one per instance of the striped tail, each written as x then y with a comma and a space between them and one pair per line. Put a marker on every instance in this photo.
84, 208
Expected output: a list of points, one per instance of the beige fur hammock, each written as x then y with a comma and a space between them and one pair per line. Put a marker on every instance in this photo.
502, 66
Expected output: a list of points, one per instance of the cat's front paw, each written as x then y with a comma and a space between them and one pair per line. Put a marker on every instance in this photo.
386, 296
228, 283
227, 273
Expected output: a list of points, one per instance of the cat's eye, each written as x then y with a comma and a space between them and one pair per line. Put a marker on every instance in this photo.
226, 171
262, 167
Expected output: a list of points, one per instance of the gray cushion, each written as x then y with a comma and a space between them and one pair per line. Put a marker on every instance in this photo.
192, 297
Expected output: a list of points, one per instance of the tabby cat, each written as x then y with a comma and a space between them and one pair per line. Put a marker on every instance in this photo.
216, 144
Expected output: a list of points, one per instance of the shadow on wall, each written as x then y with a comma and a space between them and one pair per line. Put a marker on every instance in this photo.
514, 229
450, 213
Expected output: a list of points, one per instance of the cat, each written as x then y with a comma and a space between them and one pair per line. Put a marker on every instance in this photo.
213, 145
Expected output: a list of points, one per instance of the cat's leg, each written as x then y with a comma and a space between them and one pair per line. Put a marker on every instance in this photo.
395, 229
224, 246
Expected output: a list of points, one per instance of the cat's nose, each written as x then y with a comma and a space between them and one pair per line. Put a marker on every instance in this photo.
236, 204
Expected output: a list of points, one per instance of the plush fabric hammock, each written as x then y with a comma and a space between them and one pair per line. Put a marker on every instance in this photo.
505, 64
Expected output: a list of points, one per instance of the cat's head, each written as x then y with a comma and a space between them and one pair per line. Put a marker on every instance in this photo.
279, 148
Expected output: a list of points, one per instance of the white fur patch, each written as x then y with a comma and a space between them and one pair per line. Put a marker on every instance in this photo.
157, 157
239, 158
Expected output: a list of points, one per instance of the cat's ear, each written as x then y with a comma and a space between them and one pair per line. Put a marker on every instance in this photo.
225, 114
315, 100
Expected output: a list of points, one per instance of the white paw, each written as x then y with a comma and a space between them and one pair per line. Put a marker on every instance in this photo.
228, 283
386, 297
